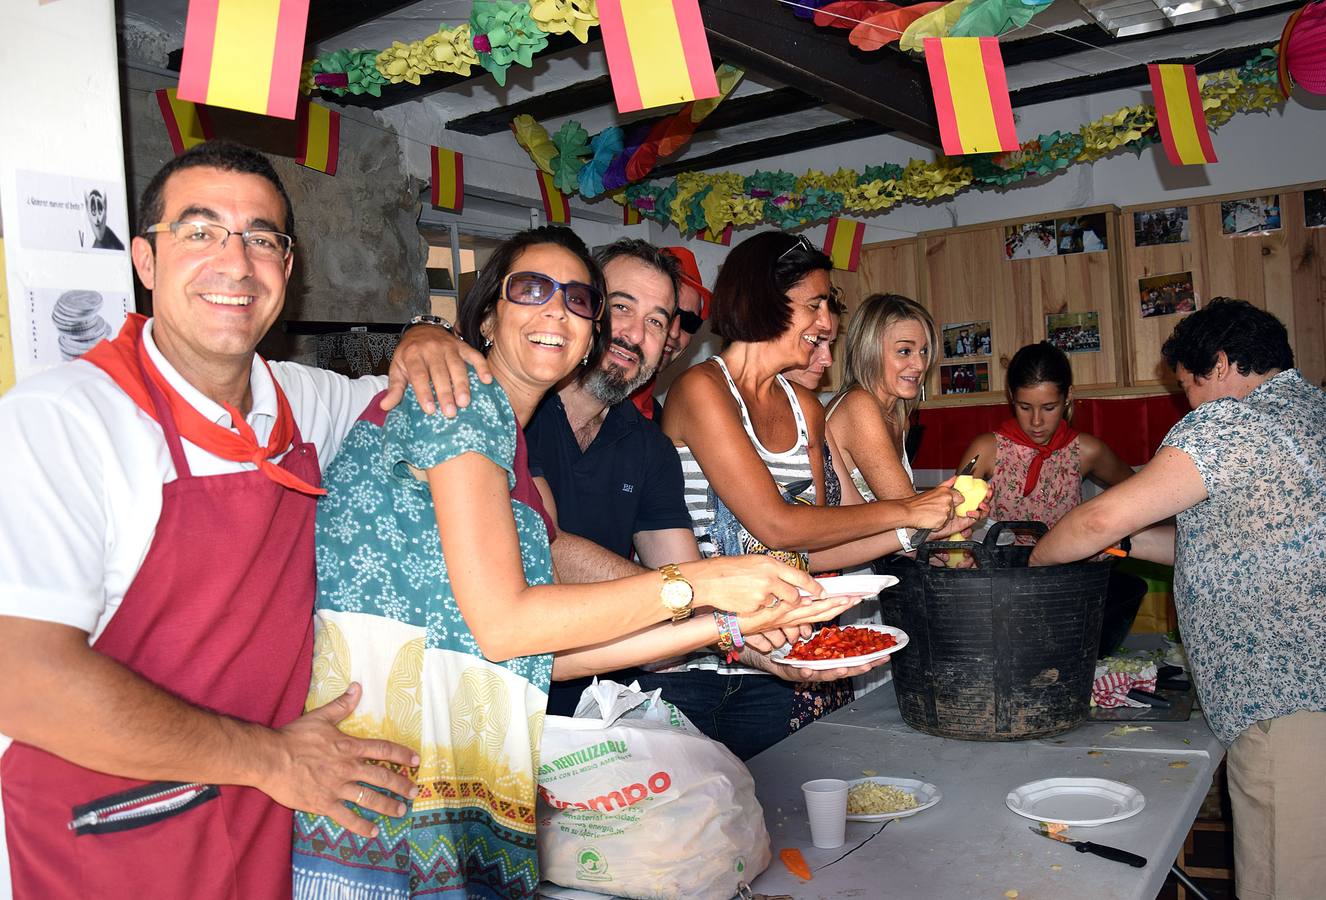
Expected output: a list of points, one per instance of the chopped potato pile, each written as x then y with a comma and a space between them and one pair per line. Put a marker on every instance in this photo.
871, 798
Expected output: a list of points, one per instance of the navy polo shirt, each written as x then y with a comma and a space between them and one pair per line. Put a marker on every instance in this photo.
628, 480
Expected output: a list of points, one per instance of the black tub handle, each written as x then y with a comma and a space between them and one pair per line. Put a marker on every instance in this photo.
983, 558
998, 528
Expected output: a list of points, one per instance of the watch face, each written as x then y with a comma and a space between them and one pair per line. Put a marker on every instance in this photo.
677, 594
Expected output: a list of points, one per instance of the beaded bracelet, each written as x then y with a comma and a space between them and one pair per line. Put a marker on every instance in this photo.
730, 640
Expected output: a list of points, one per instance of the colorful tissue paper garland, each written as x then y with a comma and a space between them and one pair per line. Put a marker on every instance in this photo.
696, 201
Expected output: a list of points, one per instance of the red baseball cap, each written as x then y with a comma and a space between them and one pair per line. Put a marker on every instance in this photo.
690, 274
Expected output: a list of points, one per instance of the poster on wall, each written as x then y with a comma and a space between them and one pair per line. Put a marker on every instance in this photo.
1074, 332
1081, 234
1250, 215
65, 324
966, 339
1152, 227
1030, 240
1314, 208
61, 212
1165, 295
967, 378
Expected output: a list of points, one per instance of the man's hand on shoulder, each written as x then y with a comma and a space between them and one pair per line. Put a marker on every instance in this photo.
434, 362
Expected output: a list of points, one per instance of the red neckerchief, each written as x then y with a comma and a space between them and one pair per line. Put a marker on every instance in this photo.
1062, 437
120, 359
643, 398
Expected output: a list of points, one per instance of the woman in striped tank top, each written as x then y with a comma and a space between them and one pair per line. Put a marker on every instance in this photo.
751, 446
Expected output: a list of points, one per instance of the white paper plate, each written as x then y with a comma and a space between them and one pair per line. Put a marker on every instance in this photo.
780, 655
856, 585
926, 794
1076, 801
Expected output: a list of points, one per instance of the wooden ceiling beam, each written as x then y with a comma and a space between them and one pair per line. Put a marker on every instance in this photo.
888, 88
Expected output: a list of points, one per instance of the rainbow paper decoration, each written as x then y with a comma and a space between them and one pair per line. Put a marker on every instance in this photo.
244, 54
556, 207
657, 52
842, 244
971, 95
186, 123
319, 130
448, 179
1179, 115
723, 237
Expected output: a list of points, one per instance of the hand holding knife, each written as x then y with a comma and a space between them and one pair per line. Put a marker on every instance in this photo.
920, 537
1101, 850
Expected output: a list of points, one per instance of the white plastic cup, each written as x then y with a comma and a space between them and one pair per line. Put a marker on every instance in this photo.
826, 806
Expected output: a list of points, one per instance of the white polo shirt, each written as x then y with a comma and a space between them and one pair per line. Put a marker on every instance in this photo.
81, 470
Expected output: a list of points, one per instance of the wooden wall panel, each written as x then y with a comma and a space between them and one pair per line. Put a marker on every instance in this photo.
887, 268
1307, 268
1145, 366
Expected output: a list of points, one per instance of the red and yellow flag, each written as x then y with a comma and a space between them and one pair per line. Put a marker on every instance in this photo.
843, 243
244, 54
630, 215
1179, 115
319, 130
723, 237
448, 178
971, 95
186, 123
657, 52
556, 207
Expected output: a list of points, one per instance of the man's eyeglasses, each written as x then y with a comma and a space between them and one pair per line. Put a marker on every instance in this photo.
802, 243
205, 238
536, 289
690, 322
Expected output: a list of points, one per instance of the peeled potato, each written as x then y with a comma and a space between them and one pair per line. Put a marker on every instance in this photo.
973, 491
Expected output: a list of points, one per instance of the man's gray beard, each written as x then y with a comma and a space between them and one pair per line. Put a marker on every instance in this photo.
609, 387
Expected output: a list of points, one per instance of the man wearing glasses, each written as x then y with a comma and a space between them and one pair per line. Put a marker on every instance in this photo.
692, 311
157, 572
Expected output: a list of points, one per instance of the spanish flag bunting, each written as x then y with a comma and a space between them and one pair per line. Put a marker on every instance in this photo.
657, 52
630, 215
843, 243
319, 130
723, 237
186, 123
448, 179
556, 207
244, 54
1179, 115
971, 95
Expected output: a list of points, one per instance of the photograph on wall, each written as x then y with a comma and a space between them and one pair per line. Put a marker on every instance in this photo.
1152, 227
1074, 332
966, 378
1081, 234
1250, 215
966, 339
1314, 208
1030, 240
65, 324
1165, 295
61, 212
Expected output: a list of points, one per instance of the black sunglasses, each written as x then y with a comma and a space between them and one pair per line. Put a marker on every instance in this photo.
690, 322
536, 289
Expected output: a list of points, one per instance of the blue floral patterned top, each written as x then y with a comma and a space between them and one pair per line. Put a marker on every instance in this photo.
1250, 560
387, 618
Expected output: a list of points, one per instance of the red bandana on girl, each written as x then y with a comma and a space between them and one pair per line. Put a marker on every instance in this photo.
1062, 437
121, 358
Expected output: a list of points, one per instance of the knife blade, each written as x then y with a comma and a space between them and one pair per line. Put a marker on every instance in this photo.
1113, 853
920, 537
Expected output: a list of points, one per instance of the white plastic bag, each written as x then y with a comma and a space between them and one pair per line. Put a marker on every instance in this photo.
635, 801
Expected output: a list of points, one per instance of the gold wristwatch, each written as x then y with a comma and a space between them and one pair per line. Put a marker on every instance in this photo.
677, 593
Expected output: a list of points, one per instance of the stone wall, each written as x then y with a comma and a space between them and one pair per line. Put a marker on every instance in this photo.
359, 254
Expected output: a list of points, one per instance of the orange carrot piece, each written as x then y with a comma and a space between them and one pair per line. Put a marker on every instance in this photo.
795, 862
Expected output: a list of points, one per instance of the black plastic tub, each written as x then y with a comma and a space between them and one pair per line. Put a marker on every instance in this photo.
999, 652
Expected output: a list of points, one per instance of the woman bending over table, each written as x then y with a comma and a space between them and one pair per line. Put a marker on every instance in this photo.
435, 595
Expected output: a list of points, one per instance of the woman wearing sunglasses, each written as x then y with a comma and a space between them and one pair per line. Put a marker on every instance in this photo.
752, 455
436, 596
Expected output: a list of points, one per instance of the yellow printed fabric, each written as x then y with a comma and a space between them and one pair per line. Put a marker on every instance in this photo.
971, 94
387, 618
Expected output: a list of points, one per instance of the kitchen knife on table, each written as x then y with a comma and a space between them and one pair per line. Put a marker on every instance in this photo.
1101, 850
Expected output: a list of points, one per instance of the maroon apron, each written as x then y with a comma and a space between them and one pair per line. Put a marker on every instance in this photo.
220, 615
